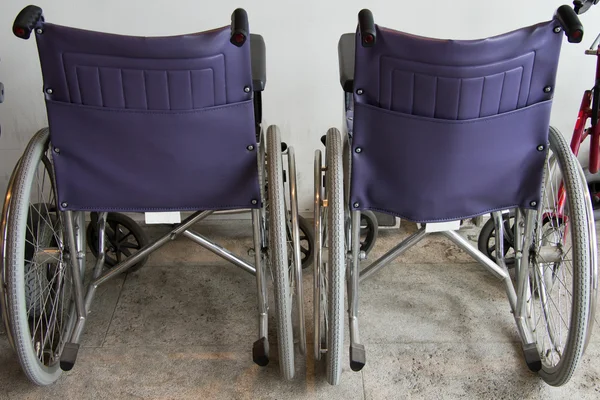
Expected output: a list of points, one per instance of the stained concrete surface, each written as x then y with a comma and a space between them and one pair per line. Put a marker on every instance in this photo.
434, 324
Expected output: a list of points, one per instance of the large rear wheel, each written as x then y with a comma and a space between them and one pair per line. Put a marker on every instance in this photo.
559, 277
278, 254
336, 261
38, 276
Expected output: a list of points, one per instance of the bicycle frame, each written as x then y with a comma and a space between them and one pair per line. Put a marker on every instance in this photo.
588, 110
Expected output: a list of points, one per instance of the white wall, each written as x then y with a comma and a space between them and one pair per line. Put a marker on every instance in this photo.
303, 95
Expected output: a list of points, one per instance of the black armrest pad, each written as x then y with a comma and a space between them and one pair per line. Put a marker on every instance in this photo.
258, 55
346, 53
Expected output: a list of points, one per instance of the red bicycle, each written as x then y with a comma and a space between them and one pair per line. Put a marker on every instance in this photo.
588, 111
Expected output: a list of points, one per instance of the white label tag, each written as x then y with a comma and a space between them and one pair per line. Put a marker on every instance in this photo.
170, 217
442, 226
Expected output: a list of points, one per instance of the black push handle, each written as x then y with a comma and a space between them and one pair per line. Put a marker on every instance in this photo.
366, 27
582, 6
27, 20
570, 23
239, 27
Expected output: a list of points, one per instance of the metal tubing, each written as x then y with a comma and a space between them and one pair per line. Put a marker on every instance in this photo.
220, 251
80, 241
261, 282
497, 215
519, 309
461, 242
144, 251
518, 235
353, 278
523, 273
514, 298
3, 230
101, 251
91, 290
228, 212
392, 254
296, 246
317, 181
495, 269
76, 272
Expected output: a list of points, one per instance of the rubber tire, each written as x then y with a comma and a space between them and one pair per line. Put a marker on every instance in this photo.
138, 233
336, 267
306, 230
37, 373
489, 229
278, 254
373, 230
562, 372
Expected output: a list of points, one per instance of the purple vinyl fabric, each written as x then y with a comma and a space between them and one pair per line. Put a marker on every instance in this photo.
450, 129
149, 123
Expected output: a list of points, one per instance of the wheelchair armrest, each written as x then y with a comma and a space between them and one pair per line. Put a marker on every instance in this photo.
346, 52
259, 62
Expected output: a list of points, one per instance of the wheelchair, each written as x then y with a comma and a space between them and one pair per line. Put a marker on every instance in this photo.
441, 131
143, 124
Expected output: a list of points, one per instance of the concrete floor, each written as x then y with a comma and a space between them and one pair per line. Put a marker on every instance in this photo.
435, 325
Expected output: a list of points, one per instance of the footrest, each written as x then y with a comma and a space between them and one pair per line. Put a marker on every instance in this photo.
260, 352
532, 357
69, 356
358, 357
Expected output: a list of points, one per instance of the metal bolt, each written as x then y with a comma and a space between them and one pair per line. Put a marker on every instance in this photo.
557, 29
547, 89
533, 203
359, 91
250, 148
57, 150
247, 89
49, 91
540, 147
358, 150
356, 205
39, 31
64, 204
254, 201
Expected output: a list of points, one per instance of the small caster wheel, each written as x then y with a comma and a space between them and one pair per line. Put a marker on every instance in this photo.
123, 238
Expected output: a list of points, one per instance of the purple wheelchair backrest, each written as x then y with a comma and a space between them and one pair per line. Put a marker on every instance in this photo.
450, 129
149, 123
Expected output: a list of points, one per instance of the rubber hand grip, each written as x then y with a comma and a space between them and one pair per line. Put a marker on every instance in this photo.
27, 20
239, 27
366, 28
570, 23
